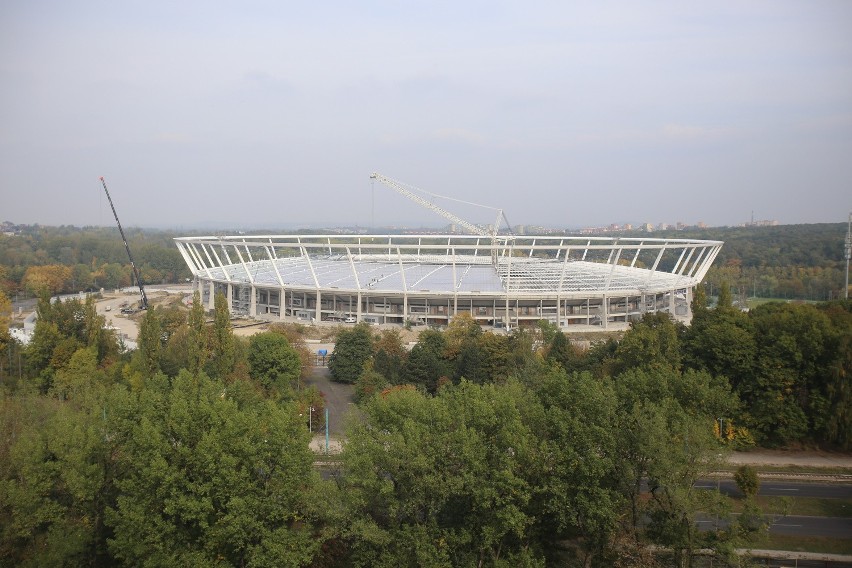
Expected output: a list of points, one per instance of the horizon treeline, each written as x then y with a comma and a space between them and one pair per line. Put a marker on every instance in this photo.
796, 262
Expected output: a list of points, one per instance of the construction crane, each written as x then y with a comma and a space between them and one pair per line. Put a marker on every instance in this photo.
401, 188
143, 303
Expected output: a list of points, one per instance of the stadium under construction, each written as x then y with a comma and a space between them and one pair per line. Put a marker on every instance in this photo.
501, 280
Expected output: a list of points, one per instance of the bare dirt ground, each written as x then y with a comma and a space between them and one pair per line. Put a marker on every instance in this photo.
128, 324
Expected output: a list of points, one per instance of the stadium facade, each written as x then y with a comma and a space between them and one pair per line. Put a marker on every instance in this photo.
577, 283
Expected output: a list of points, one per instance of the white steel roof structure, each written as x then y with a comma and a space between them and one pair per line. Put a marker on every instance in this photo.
496, 274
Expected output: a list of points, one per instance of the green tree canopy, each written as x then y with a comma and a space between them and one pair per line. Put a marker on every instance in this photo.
273, 363
352, 350
207, 480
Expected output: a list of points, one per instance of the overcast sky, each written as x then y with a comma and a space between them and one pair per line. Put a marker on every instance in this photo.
273, 114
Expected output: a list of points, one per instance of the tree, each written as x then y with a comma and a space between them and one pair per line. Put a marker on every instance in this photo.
440, 480
295, 336
652, 342
470, 362
721, 342
747, 481
222, 341
426, 364
462, 329
196, 343
496, 355
274, 363
56, 477
5, 313
53, 277
786, 395
150, 343
725, 302
665, 424
352, 349
389, 356
838, 384
370, 383
208, 480
578, 498
562, 352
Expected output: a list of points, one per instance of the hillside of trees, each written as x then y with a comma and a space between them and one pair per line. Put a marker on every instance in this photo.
472, 448
798, 262
795, 262
71, 259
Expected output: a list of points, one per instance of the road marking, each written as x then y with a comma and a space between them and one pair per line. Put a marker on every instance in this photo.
705, 486
782, 489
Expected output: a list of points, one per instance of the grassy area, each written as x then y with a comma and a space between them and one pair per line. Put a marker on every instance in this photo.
754, 302
805, 544
815, 469
808, 506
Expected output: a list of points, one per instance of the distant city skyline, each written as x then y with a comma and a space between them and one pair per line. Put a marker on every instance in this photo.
563, 114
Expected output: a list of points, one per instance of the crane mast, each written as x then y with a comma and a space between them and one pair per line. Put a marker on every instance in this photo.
143, 303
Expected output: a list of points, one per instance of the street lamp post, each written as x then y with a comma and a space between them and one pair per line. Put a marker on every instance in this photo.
848, 251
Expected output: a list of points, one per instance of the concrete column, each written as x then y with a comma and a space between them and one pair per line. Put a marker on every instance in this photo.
253, 302
319, 307
605, 312
281, 305
212, 297
230, 297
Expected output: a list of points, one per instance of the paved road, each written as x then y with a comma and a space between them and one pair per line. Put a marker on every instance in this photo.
794, 525
784, 489
338, 397
831, 527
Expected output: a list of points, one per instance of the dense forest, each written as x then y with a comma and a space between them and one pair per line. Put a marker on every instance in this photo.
71, 259
471, 448
795, 262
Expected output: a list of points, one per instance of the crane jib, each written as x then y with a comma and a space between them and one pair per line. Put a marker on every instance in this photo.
143, 303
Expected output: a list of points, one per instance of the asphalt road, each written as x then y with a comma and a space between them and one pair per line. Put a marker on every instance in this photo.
795, 525
784, 489
831, 527
339, 399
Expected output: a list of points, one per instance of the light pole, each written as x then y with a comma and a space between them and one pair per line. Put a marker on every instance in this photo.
848, 251
310, 419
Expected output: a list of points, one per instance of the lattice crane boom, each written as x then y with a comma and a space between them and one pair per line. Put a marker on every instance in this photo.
399, 187
143, 303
